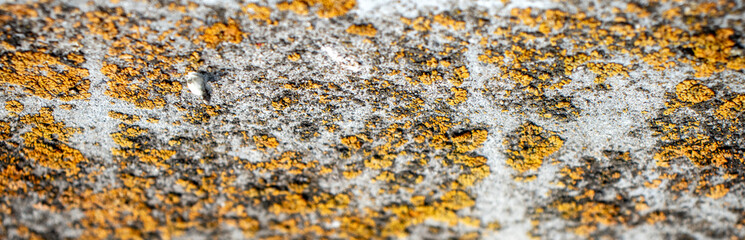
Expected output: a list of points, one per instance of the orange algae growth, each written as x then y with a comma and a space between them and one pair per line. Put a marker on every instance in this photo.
221, 32
692, 91
46, 143
326, 8
44, 75
529, 146
362, 30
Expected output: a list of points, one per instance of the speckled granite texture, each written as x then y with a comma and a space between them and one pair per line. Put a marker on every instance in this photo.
382, 119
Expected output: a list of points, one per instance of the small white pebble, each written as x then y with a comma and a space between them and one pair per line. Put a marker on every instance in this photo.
195, 83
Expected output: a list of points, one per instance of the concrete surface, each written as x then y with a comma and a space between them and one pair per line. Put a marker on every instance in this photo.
382, 119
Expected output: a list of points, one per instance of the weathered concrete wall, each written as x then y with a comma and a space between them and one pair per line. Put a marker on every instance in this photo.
375, 119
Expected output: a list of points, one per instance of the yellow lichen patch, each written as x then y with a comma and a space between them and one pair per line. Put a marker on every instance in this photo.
362, 30
256, 12
469, 141
133, 142
429, 78
456, 200
4, 130
288, 161
378, 162
142, 72
326, 8
44, 75
105, 24
13, 106
293, 57
717, 191
731, 108
491, 57
126, 118
531, 145
553, 20
461, 74
264, 141
605, 70
120, 87
589, 214
701, 150
447, 21
299, 7
459, 95
201, 114
352, 142
221, 32
692, 91
419, 23
283, 103
46, 143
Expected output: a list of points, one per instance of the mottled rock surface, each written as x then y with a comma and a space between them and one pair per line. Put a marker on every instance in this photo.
372, 119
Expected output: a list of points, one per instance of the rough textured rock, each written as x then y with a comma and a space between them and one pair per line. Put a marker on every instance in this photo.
375, 119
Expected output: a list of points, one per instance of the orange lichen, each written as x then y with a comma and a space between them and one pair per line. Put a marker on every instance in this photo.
589, 214
731, 108
461, 74
459, 95
221, 32
142, 73
256, 12
133, 142
4, 130
449, 22
419, 23
126, 118
692, 91
605, 70
429, 78
13, 106
362, 30
701, 150
46, 143
293, 57
288, 161
326, 8
469, 141
202, 113
264, 141
44, 75
283, 103
531, 145
717, 191
352, 142
105, 24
